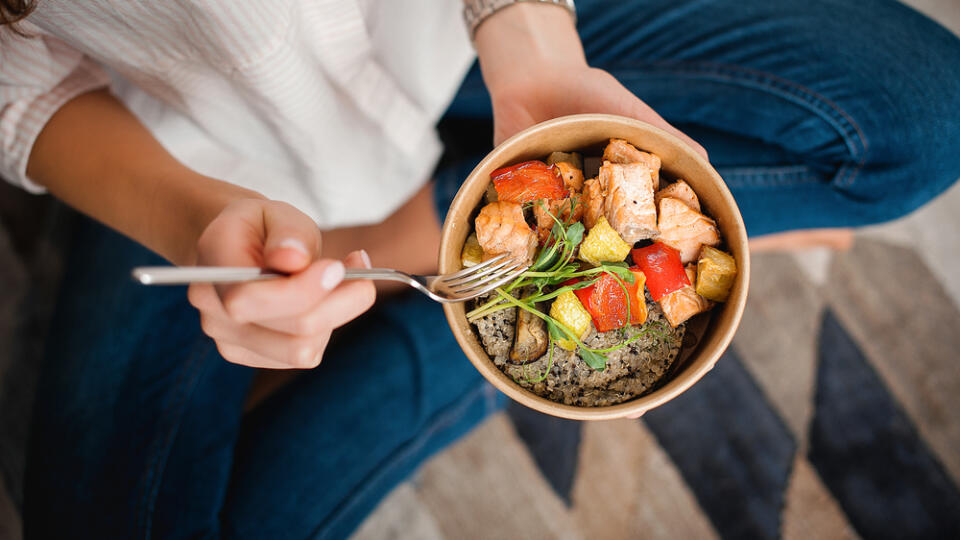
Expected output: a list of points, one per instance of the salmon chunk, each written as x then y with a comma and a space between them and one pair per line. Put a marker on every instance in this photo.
685, 229
620, 151
628, 204
502, 229
684, 303
593, 196
679, 190
561, 209
572, 176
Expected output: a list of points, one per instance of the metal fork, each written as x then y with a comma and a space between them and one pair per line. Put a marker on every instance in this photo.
457, 287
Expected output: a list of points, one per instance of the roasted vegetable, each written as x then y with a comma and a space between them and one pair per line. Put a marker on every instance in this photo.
606, 302
638, 300
472, 253
716, 271
569, 311
528, 182
603, 244
661, 265
531, 338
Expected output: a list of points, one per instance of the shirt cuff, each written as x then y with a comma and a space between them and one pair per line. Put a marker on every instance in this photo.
22, 121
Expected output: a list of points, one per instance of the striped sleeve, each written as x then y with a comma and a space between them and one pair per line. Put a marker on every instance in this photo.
38, 74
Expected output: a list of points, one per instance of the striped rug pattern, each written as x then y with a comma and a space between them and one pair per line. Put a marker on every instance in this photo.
833, 415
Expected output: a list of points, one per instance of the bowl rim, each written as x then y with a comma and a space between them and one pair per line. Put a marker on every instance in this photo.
668, 391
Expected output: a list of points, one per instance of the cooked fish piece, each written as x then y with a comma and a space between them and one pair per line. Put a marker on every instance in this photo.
628, 204
501, 228
620, 151
573, 158
593, 208
572, 176
685, 229
679, 190
684, 303
561, 209
531, 341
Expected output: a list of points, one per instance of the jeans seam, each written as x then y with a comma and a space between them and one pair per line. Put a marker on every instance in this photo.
790, 175
828, 110
440, 421
161, 446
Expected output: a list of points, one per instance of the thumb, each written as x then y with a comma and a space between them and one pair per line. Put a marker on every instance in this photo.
292, 239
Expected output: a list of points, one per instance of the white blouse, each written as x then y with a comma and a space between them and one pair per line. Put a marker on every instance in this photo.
327, 104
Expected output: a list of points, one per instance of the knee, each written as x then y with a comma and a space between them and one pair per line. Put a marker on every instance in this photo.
911, 125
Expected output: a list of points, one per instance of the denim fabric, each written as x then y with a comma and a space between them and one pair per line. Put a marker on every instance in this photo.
820, 113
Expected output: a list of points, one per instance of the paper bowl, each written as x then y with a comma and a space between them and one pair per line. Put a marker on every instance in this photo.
588, 133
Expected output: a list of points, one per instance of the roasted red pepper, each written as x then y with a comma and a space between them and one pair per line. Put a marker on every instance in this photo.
607, 303
661, 265
528, 181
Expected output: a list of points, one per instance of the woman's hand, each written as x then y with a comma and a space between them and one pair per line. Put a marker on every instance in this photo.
534, 66
279, 323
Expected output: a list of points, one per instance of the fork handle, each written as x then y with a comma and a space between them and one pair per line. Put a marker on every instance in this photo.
184, 275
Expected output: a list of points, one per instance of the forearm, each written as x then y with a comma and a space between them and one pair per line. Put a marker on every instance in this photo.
97, 157
518, 40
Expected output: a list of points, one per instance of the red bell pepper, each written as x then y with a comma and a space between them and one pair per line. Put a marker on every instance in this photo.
607, 303
661, 265
528, 181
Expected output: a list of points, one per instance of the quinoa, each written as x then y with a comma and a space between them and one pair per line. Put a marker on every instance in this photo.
631, 370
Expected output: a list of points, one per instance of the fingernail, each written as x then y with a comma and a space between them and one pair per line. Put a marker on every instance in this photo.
332, 276
365, 258
293, 243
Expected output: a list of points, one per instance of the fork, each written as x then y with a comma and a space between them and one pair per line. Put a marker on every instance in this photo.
456, 287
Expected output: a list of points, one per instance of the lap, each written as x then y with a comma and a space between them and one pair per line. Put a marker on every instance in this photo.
139, 423
844, 106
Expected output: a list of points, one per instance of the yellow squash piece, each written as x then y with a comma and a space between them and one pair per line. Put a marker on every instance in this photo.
472, 253
716, 271
603, 244
568, 311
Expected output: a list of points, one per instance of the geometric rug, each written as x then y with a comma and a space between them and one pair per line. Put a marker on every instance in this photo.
834, 414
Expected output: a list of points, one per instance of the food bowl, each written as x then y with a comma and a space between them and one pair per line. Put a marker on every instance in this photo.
589, 132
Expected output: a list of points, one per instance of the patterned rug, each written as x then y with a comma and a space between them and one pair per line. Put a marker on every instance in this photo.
834, 414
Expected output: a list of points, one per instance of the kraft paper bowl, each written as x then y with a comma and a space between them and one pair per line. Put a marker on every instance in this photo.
587, 133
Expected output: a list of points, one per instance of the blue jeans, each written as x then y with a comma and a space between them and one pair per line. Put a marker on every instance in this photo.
820, 113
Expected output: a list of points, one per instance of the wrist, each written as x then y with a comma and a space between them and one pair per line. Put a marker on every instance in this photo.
524, 39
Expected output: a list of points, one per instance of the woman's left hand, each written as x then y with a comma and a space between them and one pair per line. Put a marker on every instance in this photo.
534, 66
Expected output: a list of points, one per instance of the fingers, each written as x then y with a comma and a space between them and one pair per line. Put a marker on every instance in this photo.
635, 107
293, 239
642, 111
284, 297
345, 303
296, 340
267, 346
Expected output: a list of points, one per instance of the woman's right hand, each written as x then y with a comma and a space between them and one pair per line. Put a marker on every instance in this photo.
279, 323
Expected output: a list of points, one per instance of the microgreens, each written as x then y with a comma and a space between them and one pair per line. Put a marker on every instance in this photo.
555, 265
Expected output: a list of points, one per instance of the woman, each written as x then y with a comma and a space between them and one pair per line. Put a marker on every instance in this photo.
233, 134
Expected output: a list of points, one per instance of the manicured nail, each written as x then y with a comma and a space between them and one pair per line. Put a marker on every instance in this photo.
293, 243
332, 276
365, 258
